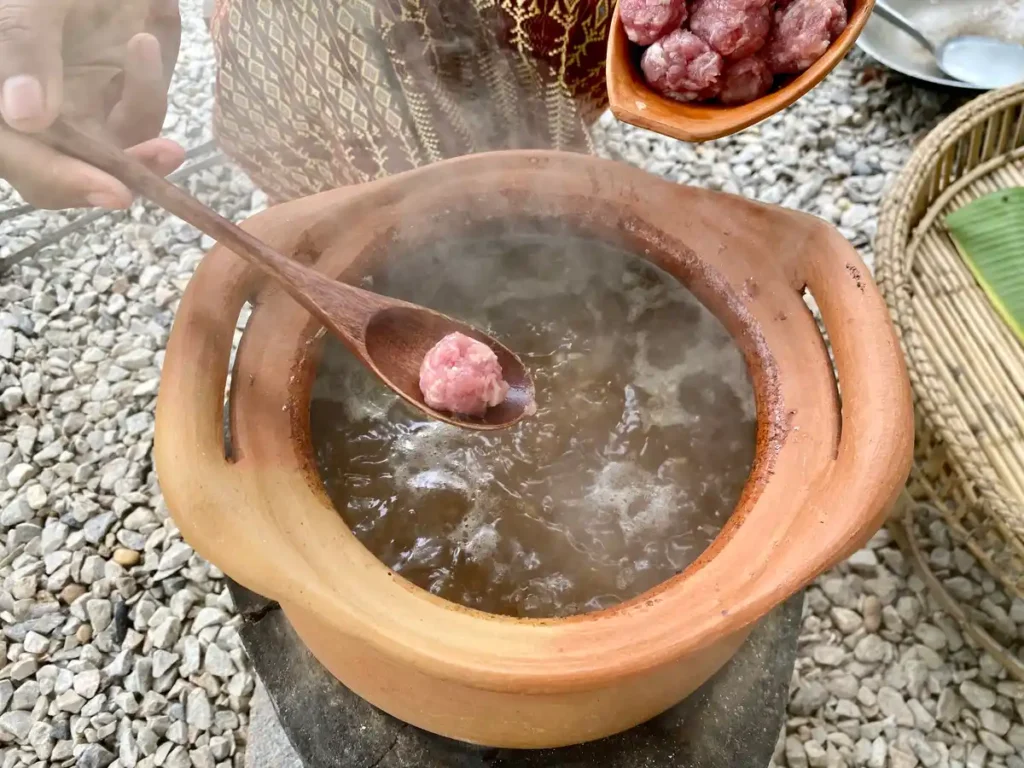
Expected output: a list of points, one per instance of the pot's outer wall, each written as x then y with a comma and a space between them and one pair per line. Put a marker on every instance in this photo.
502, 718
821, 485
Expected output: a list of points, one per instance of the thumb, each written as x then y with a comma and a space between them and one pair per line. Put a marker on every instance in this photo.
31, 66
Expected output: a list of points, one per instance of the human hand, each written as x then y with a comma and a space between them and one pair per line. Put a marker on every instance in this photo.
105, 65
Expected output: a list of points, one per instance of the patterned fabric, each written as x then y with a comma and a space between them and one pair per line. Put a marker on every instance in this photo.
316, 94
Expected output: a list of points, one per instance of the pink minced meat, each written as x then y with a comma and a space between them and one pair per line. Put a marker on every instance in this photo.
682, 66
803, 32
647, 20
734, 28
462, 375
745, 80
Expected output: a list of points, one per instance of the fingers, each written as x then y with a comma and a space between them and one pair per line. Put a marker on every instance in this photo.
164, 23
139, 115
48, 179
31, 95
159, 155
31, 66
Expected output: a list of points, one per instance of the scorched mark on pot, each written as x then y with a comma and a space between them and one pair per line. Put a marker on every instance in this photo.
855, 274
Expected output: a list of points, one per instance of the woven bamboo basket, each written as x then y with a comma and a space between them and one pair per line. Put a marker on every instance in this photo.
966, 366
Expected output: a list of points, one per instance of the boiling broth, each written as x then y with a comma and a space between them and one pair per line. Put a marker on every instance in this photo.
642, 441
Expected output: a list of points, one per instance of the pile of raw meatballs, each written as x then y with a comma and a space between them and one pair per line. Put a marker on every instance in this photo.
728, 50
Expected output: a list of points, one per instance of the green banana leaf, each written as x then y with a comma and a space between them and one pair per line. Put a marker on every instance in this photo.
989, 233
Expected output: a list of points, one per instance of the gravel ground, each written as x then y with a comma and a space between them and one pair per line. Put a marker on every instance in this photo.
120, 643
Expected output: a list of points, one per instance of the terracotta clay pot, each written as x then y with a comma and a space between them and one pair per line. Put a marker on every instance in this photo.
823, 479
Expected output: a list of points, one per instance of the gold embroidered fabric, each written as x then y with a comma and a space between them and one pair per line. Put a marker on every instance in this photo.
316, 94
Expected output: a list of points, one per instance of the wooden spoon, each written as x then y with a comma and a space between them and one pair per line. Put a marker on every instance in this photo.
633, 101
389, 336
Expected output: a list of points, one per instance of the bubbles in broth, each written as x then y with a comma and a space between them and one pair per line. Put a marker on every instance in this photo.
642, 441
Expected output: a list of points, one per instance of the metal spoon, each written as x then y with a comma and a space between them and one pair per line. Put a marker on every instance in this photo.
976, 59
389, 336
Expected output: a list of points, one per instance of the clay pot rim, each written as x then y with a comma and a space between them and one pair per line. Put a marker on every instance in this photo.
542, 655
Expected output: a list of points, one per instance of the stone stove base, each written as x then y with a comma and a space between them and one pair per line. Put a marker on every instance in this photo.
304, 718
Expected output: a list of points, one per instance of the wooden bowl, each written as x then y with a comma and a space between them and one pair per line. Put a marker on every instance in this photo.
634, 102
822, 482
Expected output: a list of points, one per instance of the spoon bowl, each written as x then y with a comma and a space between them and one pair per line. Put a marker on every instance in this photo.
399, 336
982, 61
389, 336
978, 60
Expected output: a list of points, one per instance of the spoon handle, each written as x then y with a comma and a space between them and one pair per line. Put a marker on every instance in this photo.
898, 20
305, 285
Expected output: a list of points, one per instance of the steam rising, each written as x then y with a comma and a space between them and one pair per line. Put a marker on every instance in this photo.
641, 444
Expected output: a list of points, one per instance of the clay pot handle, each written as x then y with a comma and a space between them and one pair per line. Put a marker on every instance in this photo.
876, 441
198, 481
